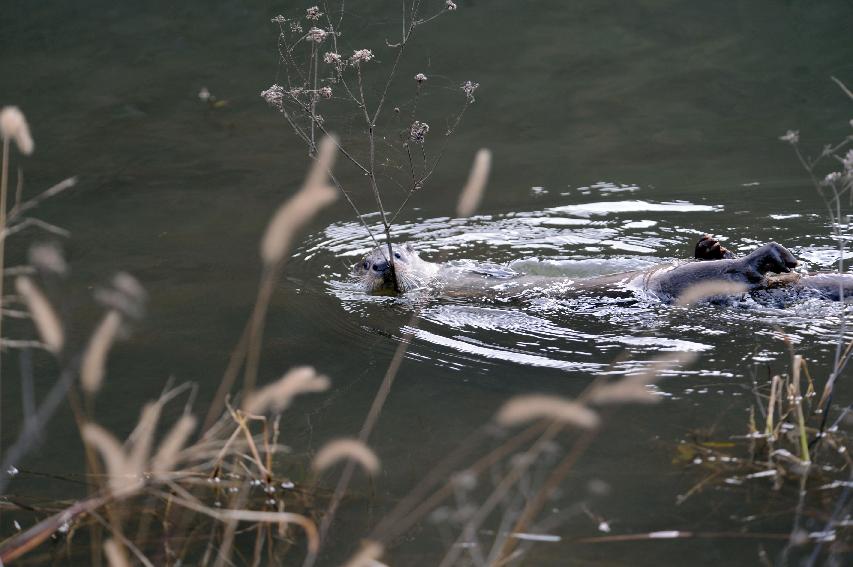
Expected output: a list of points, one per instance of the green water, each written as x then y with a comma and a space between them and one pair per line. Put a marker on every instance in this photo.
682, 100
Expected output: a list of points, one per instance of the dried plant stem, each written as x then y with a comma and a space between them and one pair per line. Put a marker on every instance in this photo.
797, 400
4, 173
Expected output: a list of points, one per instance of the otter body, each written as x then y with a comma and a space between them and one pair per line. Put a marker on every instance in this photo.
755, 271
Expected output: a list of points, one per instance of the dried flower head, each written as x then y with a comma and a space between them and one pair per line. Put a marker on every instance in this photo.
847, 161
325, 92
418, 132
450, 5
361, 56
521, 409
278, 19
367, 556
332, 58
48, 257
832, 178
295, 27
43, 314
13, 126
277, 396
471, 194
317, 35
468, 88
313, 13
420, 78
92, 368
340, 449
791, 136
274, 96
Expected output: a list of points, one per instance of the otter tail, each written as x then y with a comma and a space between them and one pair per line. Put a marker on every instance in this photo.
833, 286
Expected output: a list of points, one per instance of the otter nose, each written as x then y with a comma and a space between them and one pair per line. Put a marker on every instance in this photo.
381, 266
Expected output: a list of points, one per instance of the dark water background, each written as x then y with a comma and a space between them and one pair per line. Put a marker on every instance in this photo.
667, 100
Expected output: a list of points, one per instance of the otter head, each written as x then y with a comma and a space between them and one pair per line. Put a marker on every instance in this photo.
772, 257
374, 270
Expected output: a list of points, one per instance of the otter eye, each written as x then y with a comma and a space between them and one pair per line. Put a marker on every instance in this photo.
364, 265
397, 255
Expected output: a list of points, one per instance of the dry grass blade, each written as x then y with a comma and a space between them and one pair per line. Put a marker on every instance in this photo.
471, 194
115, 554
167, 454
13, 126
633, 388
44, 316
111, 452
278, 395
142, 438
708, 289
367, 556
94, 359
314, 195
341, 449
521, 409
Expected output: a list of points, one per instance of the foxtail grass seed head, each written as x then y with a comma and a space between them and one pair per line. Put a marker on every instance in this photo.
43, 314
635, 387
170, 447
111, 452
522, 409
473, 191
116, 556
709, 289
142, 438
293, 214
342, 449
367, 556
13, 126
94, 359
48, 258
276, 397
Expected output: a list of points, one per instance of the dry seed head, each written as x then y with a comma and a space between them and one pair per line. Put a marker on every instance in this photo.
13, 126
633, 388
167, 454
340, 449
115, 554
142, 438
314, 195
43, 314
521, 409
48, 257
278, 395
367, 556
707, 289
94, 359
111, 452
471, 194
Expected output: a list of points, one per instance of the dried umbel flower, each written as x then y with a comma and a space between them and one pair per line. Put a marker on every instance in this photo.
521, 409
314, 195
361, 56
274, 96
831, 178
313, 13
125, 294
317, 35
471, 194
13, 126
295, 27
341, 449
847, 162
331, 57
420, 78
325, 92
468, 87
43, 314
791, 136
418, 132
450, 5
277, 396
278, 19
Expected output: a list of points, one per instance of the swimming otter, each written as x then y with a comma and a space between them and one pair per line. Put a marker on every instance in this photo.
754, 271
